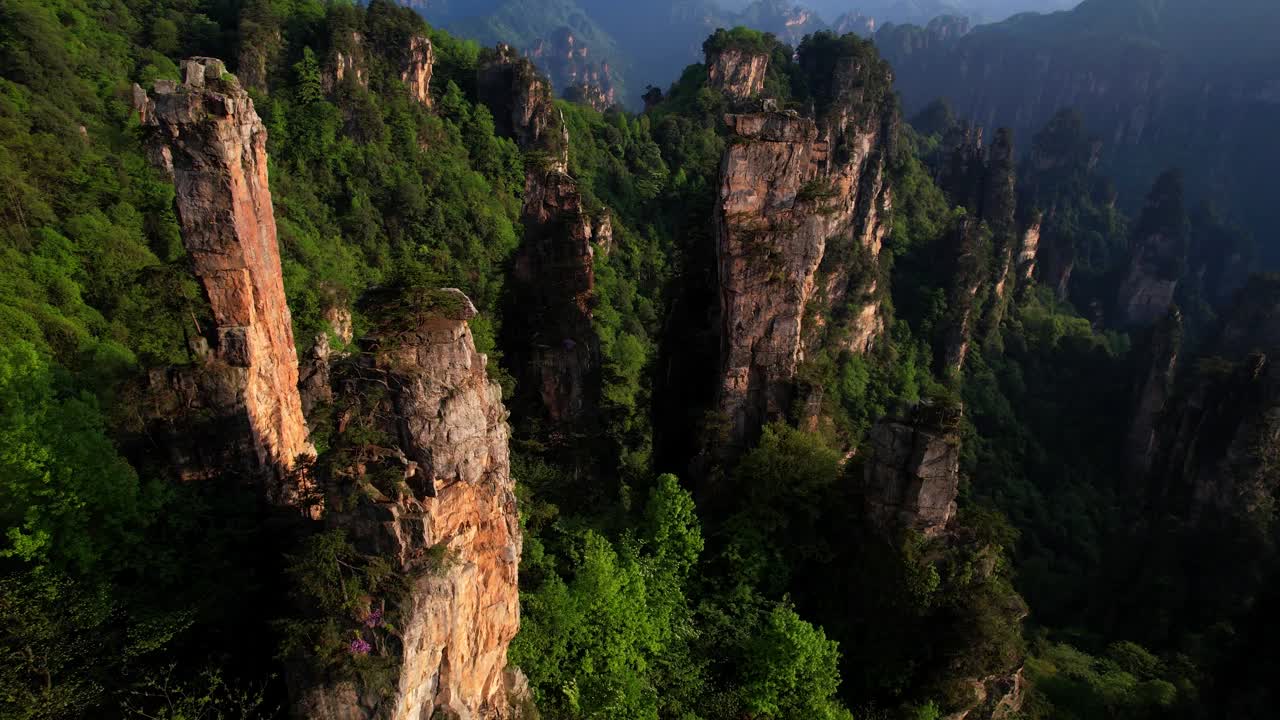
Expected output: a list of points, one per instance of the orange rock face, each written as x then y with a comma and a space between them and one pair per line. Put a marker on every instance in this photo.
416, 74
737, 73
451, 526
802, 213
206, 134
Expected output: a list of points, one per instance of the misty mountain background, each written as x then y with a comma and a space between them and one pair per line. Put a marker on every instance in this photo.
627, 46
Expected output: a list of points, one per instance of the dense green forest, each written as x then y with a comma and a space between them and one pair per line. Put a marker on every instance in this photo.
656, 581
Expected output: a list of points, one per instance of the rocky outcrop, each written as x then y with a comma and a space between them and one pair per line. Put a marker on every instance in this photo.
994, 698
205, 134
521, 102
970, 289
346, 62
737, 73
419, 62
1142, 80
912, 472
1029, 249
260, 45
855, 22
598, 97
1153, 389
422, 445
553, 282
554, 351
1158, 256
568, 64
800, 218
1218, 438
999, 213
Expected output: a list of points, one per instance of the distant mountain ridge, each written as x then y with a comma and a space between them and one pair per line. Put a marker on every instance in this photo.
1163, 83
613, 50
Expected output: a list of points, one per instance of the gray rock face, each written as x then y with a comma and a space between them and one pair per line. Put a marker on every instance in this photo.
912, 473
1153, 390
801, 216
1218, 442
440, 507
520, 99
553, 280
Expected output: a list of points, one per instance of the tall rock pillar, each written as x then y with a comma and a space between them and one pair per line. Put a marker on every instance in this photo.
802, 212
206, 135
423, 443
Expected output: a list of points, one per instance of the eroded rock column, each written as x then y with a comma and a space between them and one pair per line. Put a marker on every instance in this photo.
424, 435
801, 216
207, 136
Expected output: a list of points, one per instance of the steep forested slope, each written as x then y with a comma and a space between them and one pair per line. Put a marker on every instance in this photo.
766, 404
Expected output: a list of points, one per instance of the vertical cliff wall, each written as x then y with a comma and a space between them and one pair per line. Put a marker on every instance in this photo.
521, 102
553, 350
205, 133
801, 214
1158, 255
737, 73
1218, 439
912, 473
419, 62
423, 436
1152, 390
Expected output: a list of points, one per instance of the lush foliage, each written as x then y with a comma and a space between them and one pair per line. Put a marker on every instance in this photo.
758, 587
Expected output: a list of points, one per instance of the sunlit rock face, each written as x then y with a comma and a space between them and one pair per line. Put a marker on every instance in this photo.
440, 507
205, 133
801, 215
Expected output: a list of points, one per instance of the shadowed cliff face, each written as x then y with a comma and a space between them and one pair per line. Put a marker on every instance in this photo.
1153, 389
1182, 83
912, 474
520, 99
554, 283
800, 218
1217, 439
554, 350
442, 510
206, 135
1158, 256
569, 64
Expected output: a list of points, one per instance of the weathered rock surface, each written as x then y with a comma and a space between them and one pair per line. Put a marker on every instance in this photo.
346, 62
521, 102
1153, 389
994, 698
1029, 249
568, 63
969, 280
990, 254
801, 215
912, 473
1158, 256
207, 136
737, 73
1219, 437
553, 282
554, 351
440, 507
419, 62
